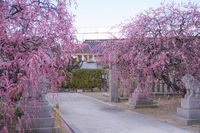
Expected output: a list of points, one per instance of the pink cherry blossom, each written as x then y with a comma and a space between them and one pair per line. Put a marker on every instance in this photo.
35, 38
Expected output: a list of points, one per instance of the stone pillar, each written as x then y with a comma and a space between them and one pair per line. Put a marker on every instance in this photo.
77, 59
83, 58
113, 81
93, 59
88, 58
189, 112
140, 97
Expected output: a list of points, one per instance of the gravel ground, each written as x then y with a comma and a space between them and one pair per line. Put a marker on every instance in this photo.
167, 105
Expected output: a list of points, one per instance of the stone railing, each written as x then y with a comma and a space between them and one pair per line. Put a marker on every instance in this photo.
161, 88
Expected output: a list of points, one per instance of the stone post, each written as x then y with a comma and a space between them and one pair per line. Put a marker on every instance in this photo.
113, 80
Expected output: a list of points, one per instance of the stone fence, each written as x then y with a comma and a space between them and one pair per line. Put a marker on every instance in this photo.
161, 88
157, 88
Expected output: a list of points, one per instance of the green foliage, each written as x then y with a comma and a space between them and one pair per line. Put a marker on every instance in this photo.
84, 79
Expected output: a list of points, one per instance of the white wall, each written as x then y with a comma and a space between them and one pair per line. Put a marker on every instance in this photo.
92, 65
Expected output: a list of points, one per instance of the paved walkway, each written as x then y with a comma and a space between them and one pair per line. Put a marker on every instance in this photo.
93, 116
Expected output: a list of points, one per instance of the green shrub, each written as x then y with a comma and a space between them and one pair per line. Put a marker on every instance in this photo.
84, 79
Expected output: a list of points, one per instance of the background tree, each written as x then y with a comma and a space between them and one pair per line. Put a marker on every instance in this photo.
161, 44
36, 37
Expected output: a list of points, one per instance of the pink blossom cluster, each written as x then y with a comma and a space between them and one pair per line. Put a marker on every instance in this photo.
36, 41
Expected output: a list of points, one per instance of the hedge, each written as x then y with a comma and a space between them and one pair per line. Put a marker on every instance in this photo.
84, 79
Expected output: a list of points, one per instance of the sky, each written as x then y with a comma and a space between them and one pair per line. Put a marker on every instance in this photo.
95, 19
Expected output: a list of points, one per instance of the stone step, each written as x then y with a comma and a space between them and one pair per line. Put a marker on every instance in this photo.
186, 121
40, 122
38, 103
44, 130
188, 113
140, 101
40, 111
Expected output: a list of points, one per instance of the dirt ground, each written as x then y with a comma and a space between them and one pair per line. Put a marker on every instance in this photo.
166, 107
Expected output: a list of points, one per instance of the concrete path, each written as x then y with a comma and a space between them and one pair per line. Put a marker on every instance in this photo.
93, 116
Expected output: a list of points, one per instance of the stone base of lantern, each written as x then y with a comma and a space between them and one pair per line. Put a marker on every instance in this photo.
189, 112
141, 102
41, 119
139, 99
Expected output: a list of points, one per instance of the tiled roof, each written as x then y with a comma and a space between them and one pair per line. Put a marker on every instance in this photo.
91, 46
